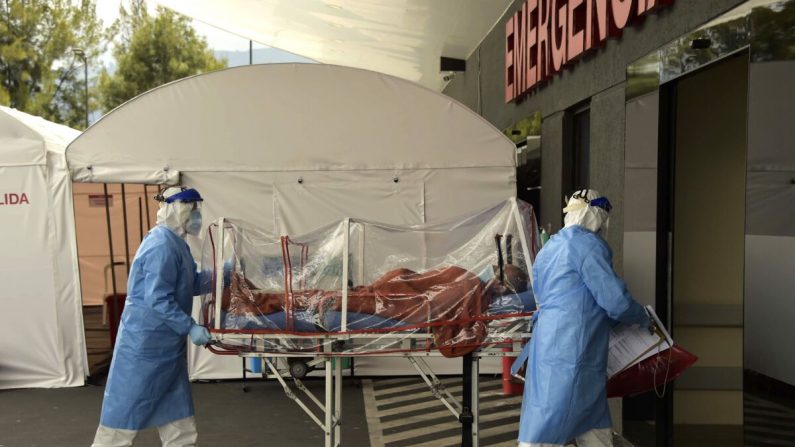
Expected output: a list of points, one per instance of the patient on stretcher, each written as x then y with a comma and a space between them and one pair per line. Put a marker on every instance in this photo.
449, 301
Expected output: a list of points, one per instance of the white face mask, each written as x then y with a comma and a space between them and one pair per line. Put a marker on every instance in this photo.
194, 225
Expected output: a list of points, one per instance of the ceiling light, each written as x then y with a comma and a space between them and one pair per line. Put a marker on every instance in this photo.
334, 6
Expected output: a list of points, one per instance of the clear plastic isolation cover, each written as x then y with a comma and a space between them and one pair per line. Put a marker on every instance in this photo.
371, 288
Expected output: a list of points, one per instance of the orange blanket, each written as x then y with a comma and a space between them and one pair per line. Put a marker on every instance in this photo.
452, 296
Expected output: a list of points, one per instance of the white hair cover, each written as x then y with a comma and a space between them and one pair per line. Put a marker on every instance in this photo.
579, 212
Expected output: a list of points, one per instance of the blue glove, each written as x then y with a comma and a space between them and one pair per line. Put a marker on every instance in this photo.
199, 335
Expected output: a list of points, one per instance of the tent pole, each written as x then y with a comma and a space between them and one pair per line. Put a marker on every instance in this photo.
126, 229
140, 220
110, 238
146, 201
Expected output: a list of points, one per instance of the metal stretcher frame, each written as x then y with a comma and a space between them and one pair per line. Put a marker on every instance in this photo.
512, 334
466, 411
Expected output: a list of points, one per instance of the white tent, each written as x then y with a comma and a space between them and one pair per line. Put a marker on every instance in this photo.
291, 147
42, 342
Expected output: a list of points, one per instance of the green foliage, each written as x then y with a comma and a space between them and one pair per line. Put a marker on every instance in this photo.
152, 50
526, 127
773, 32
39, 72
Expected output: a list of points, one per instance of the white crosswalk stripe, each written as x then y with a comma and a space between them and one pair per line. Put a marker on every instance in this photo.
767, 423
425, 421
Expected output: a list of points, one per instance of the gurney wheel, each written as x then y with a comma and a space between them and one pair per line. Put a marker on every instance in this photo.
298, 368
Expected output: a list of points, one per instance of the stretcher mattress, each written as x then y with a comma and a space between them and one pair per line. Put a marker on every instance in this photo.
306, 322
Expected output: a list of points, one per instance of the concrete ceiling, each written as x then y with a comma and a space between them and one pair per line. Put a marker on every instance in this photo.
404, 38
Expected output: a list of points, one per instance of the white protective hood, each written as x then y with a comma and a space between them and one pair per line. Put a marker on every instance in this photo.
579, 212
42, 340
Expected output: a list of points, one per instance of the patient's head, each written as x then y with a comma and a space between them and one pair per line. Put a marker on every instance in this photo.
514, 280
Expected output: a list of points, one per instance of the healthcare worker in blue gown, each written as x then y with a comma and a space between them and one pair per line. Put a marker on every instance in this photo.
148, 381
580, 298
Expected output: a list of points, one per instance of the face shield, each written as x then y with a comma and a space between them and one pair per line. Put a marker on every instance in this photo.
180, 210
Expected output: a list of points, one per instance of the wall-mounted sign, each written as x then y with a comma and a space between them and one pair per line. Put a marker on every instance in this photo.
546, 35
13, 198
97, 200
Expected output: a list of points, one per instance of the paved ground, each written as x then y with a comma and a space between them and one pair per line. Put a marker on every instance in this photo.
226, 416
387, 412
768, 423
402, 412
97, 341
378, 412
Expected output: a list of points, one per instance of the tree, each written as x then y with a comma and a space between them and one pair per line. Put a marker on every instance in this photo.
39, 71
525, 127
151, 51
773, 32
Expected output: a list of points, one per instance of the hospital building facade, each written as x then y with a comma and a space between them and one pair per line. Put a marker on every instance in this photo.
682, 112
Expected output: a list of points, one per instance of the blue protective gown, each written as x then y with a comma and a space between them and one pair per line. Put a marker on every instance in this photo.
148, 382
580, 298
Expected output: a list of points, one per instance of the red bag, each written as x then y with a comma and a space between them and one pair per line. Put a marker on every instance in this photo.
652, 372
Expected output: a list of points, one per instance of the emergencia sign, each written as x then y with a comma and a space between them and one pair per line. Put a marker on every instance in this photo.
546, 35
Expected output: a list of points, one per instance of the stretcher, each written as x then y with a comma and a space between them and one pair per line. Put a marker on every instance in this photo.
359, 288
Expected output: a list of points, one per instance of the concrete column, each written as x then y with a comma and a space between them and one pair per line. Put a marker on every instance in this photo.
551, 170
608, 119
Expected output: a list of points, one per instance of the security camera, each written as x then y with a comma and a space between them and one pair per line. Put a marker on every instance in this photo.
448, 77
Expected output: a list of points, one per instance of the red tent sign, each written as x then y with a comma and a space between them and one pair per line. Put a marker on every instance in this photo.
12, 198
